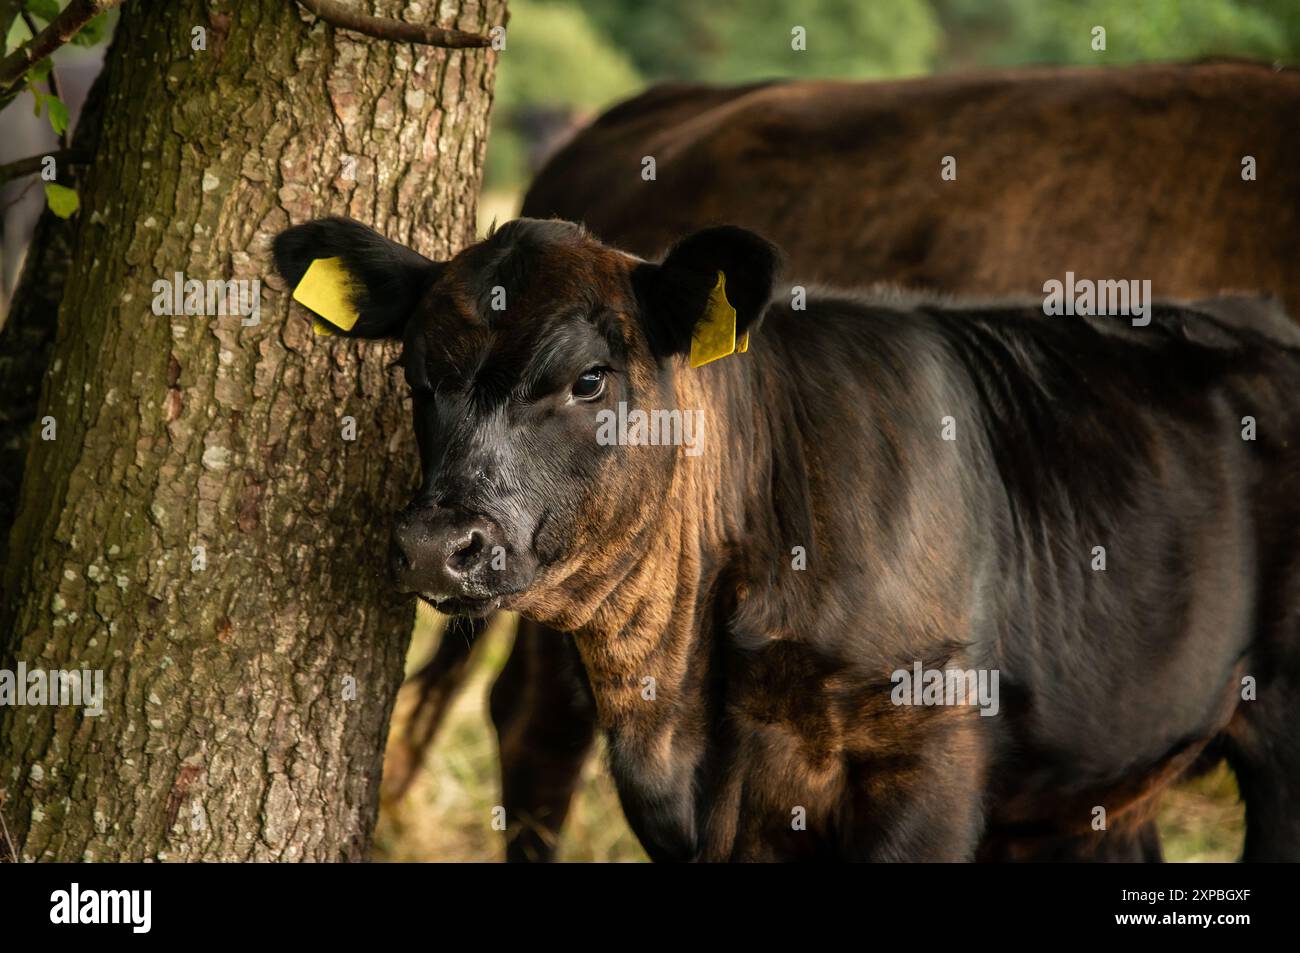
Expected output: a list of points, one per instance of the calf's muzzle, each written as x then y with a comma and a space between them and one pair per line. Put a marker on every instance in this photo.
443, 553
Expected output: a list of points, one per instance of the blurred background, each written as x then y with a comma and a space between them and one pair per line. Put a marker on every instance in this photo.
568, 60
565, 63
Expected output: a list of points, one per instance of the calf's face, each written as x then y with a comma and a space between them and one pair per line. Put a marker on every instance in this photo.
512, 349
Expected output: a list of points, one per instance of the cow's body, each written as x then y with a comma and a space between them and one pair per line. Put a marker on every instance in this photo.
974, 553
1110, 173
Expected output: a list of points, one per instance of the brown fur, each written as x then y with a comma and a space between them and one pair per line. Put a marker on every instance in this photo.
1132, 172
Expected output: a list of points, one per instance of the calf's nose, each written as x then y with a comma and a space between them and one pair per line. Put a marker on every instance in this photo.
441, 553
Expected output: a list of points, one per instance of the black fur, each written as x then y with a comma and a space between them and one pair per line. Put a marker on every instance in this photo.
390, 278
676, 291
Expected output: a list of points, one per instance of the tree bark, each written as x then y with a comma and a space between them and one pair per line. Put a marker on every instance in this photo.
27, 335
231, 729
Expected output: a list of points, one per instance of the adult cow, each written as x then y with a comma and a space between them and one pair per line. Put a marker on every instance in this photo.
1105, 172
944, 477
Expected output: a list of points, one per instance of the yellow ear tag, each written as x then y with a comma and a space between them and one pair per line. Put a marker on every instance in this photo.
715, 333
326, 289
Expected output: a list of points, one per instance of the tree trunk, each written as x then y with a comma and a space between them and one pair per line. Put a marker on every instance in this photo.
247, 691
27, 336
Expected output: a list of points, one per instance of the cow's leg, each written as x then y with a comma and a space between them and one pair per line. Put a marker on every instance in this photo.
546, 721
920, 796
1264, 752
943, 824
1134, 843
1128, 843
436, 684
1262, 740
1147, 841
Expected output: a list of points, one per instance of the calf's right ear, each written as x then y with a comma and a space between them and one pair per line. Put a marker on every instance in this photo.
356, 281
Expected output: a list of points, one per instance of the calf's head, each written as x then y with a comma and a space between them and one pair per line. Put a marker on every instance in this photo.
511, 350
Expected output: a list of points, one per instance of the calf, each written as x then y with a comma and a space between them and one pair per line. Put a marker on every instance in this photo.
884, 486
846, 177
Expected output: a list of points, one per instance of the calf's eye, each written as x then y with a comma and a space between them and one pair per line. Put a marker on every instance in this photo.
590, 385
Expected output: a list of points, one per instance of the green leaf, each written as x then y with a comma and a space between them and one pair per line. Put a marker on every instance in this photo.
58, 112
18, 35
62, 200
47, 10
58, 115
93, 31
40, 71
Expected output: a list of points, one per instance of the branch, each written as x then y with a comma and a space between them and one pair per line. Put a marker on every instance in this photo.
59, 31
20, 167
9, 841
52, 80
339, 15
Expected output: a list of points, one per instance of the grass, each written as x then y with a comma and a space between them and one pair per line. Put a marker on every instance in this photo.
1204, 819
499, 207
447, 813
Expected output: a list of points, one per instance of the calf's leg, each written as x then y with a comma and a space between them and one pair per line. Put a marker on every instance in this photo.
1264, 752
1263, 737
546, 722
1138, 842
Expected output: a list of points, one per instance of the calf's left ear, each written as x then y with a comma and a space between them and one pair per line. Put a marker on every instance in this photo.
709, 292
359, 282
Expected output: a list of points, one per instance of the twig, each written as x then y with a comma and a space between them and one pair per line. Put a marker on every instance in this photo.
13, 852
58, 32
52, 80
20, 167
19, 197
340, 15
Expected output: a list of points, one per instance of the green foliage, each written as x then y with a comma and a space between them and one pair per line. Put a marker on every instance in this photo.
733, 40
88, 35
554, 59
506, 163
62, 200
844, 38
40, 71
57, 112
1012, 32
93, 31
47, 10
554, 56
